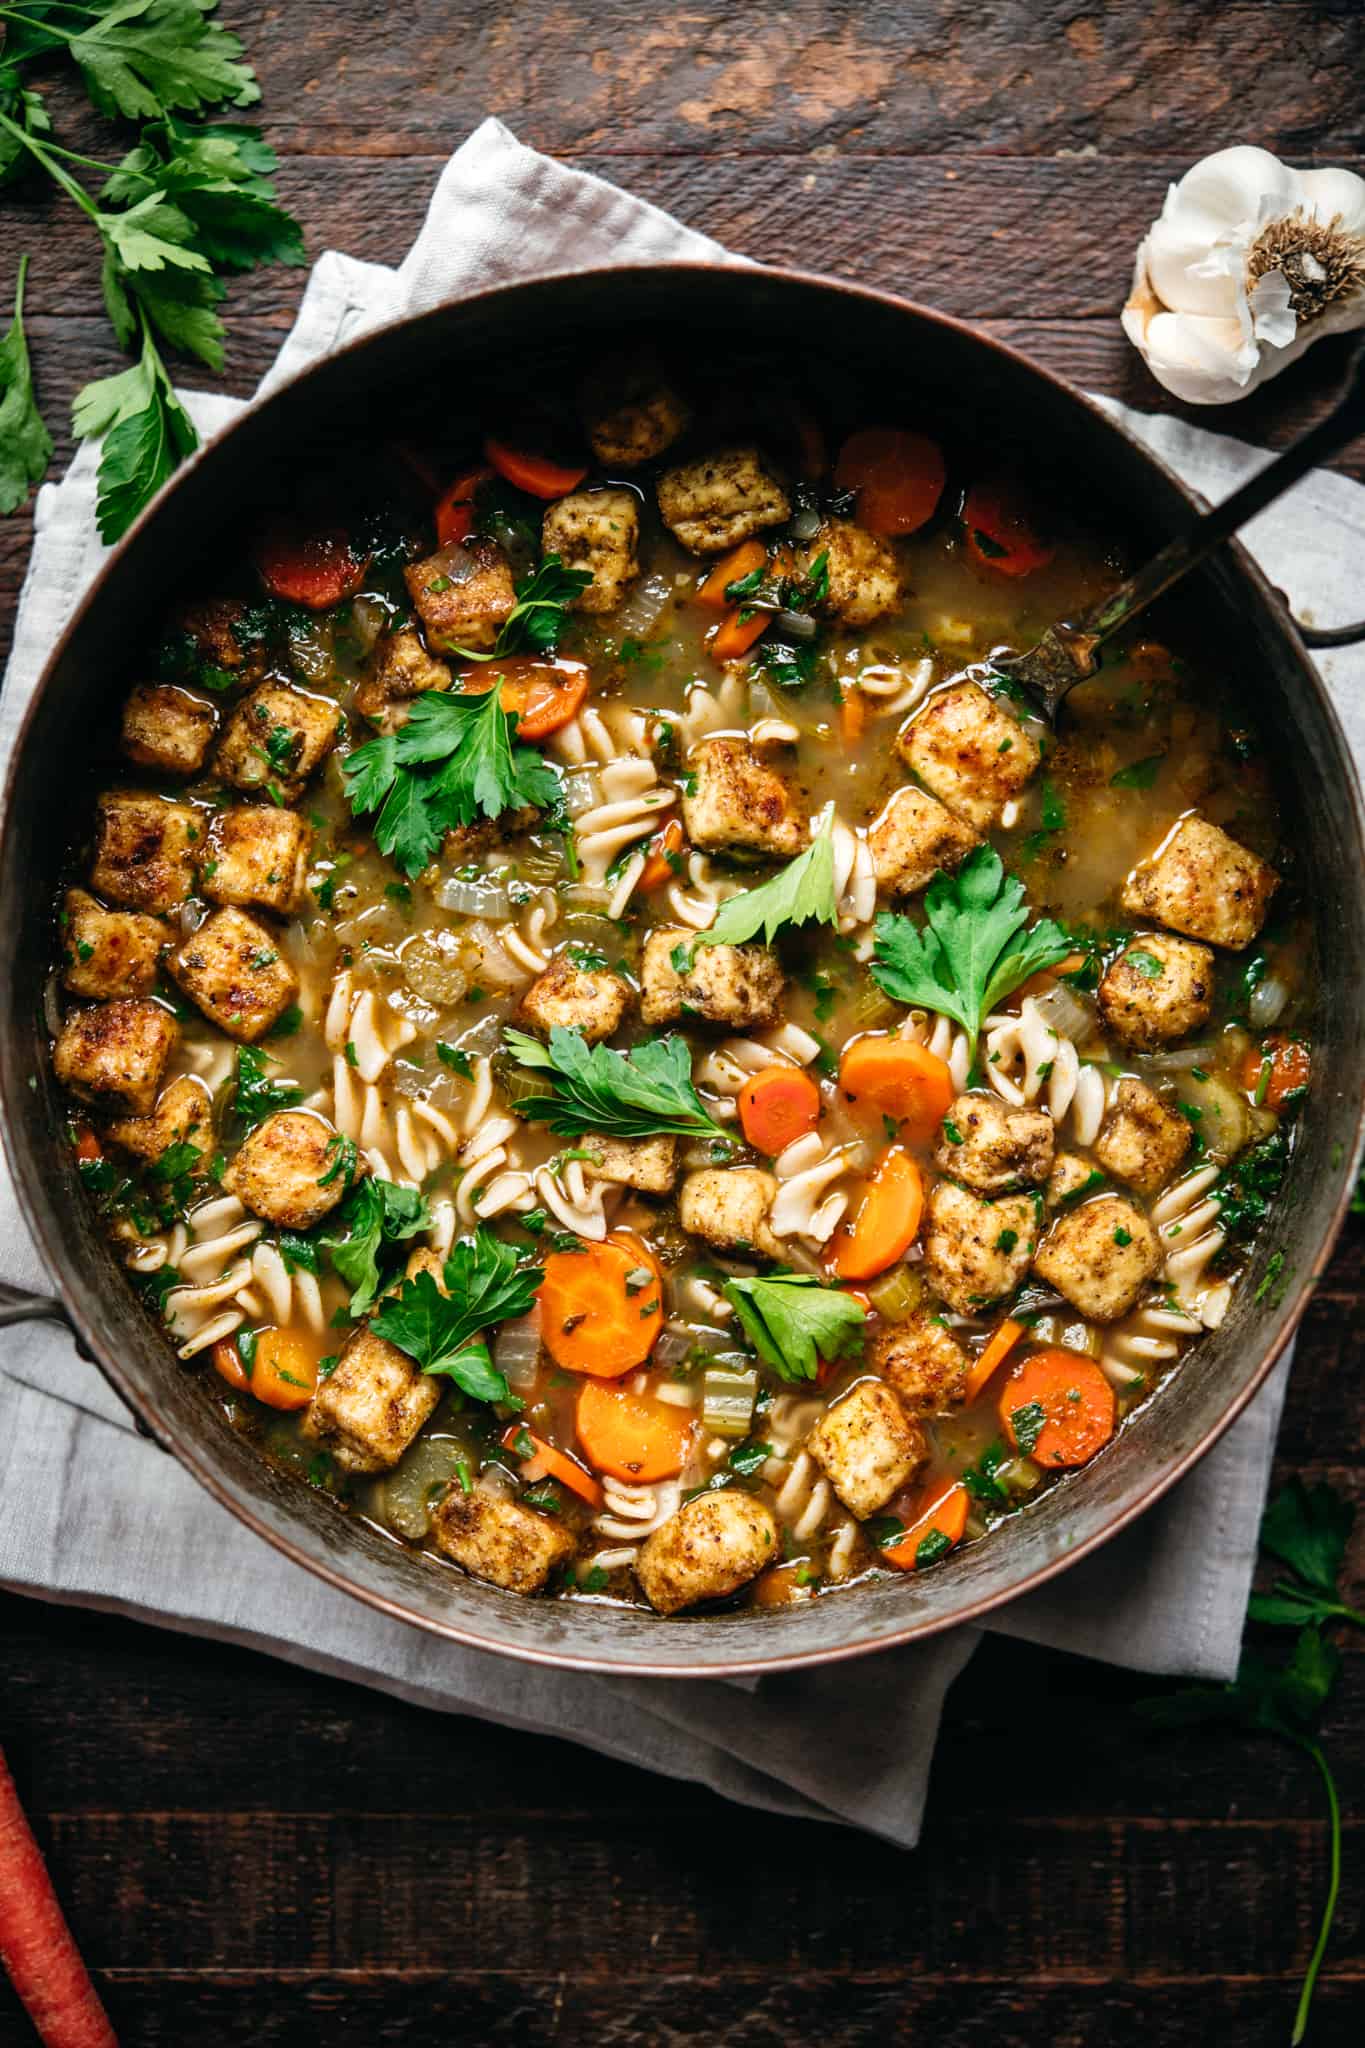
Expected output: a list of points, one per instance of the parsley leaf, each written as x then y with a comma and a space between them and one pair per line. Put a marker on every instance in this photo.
256, 1096
537, 619
439, 1332
974, 949
1308, 1529
803, 891
1138, 774
25, 444
147, 434
141, 58
644, 1093
792, 1322
375, 1214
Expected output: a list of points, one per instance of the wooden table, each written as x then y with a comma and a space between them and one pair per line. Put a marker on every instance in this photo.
251, 1854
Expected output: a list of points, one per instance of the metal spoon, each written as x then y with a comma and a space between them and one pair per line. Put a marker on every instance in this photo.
1069, 651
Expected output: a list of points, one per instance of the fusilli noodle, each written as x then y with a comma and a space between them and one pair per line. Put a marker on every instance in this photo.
1186, 1221
1028, 1061
807, 1203
942, 1037
205, 1251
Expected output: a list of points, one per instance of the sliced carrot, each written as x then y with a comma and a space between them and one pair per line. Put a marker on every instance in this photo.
777, 1106
545, 691
455, 506
227, 1362
1046, 979
895, 1077
736, 634
998, 1349
537, 475
1058, 1408
1000, 533
939, 1511
887, 1221
283, 1372
1275, 1070
632, 1436
316, 570
87, 1146
898, 476
664, 858
732, 568
36, 1945
552, 1464
601, 1308
853, 709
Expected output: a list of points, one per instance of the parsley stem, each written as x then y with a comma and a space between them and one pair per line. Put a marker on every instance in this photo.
1333, 1887
48, 162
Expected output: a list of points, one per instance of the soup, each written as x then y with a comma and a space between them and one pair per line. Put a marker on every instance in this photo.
620, 1049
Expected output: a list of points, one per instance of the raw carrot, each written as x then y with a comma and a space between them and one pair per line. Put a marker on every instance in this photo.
1275, 1070
887, 1221
36, 1945
537, 475
602, 1307
1058, 1407
664, 858
939, 1511
316, 570
998, 1349
895, 1077
777, 1106
283, 1368
546, 1462
732, 568
898, 476
455, 507
632, 1436
1000, 532
736, 634
545, 691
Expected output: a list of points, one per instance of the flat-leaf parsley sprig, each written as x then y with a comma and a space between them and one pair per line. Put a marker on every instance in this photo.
536, 622
793, 1321
485, 1284
644, 1093
802, 892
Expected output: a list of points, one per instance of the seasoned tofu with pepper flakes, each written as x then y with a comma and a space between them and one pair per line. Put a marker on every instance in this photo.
592, 1000
1099, 1256
728, 1207
276, 740
631, 410
399, 670
733, 802
739, 986
114, 1055
1071, 1178
972, 755
922, 1361
1158, 990
145, 850
599, 533
867, 1447
993, 1146
1202, 883
649, 1165
710, 1548
977, 1251
1141, 1141
291, 1170
912, 838
721, 499
372, 1404
256, 855
865, 581
167, 728
108, 953
183, 1116
498, 1539
463, 594
231, 967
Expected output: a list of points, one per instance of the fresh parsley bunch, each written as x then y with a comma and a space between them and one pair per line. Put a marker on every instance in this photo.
644, 1093
184, 207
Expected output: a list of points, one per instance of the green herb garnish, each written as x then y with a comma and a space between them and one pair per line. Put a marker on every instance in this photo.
644, 1093
792, 1322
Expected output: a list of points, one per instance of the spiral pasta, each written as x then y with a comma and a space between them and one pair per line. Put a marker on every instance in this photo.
207, 1253
1150, 1336
283, 1296
357, 1024
726, 1067
939, 1035
894, 688
1186, 1221
628, 1514
808, 1203
1027, 1061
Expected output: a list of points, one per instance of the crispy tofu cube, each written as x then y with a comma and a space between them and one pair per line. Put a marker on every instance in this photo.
464, 843
1141, 1141
734, 802
463, 594
718, 501
712, 1546
114, 1055
912, 837
211, 624
145, 850
650, 1165
865, 581
1069, 1179
631, 411
598, 531
1202, 883
922, 1361
183, 1116
372, 1404
727, 1206
399, 670
992, 1146
257, 854
1157, 990
592, 1000
977, 1251
867, 1447
108, 953
168, 728
499, 1540
231, 967
291, 1170
276, 739
972, 755
739, 986
1099, 1256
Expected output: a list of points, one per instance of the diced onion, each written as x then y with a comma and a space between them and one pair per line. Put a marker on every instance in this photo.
580, 791
805, 523
796, 625
1066, 1013
636, 618
479, 897
408, 1495
1265, 1005
727, 1401
678, 1339
516, 1351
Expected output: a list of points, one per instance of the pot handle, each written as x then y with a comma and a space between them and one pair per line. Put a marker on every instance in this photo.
1331, 636
18, 1307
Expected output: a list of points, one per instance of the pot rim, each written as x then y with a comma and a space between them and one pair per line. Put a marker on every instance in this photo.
195, 1457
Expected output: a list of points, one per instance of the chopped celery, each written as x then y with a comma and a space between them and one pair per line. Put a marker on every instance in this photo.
897, 1294
1020, 1475
727, 1401
871, 1009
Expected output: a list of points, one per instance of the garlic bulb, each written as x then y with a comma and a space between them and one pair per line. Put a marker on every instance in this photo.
1250, 263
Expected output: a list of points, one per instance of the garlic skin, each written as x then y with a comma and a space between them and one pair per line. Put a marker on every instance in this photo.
1250, 264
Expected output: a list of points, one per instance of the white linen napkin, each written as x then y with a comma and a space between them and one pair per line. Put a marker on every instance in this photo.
93, 1514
